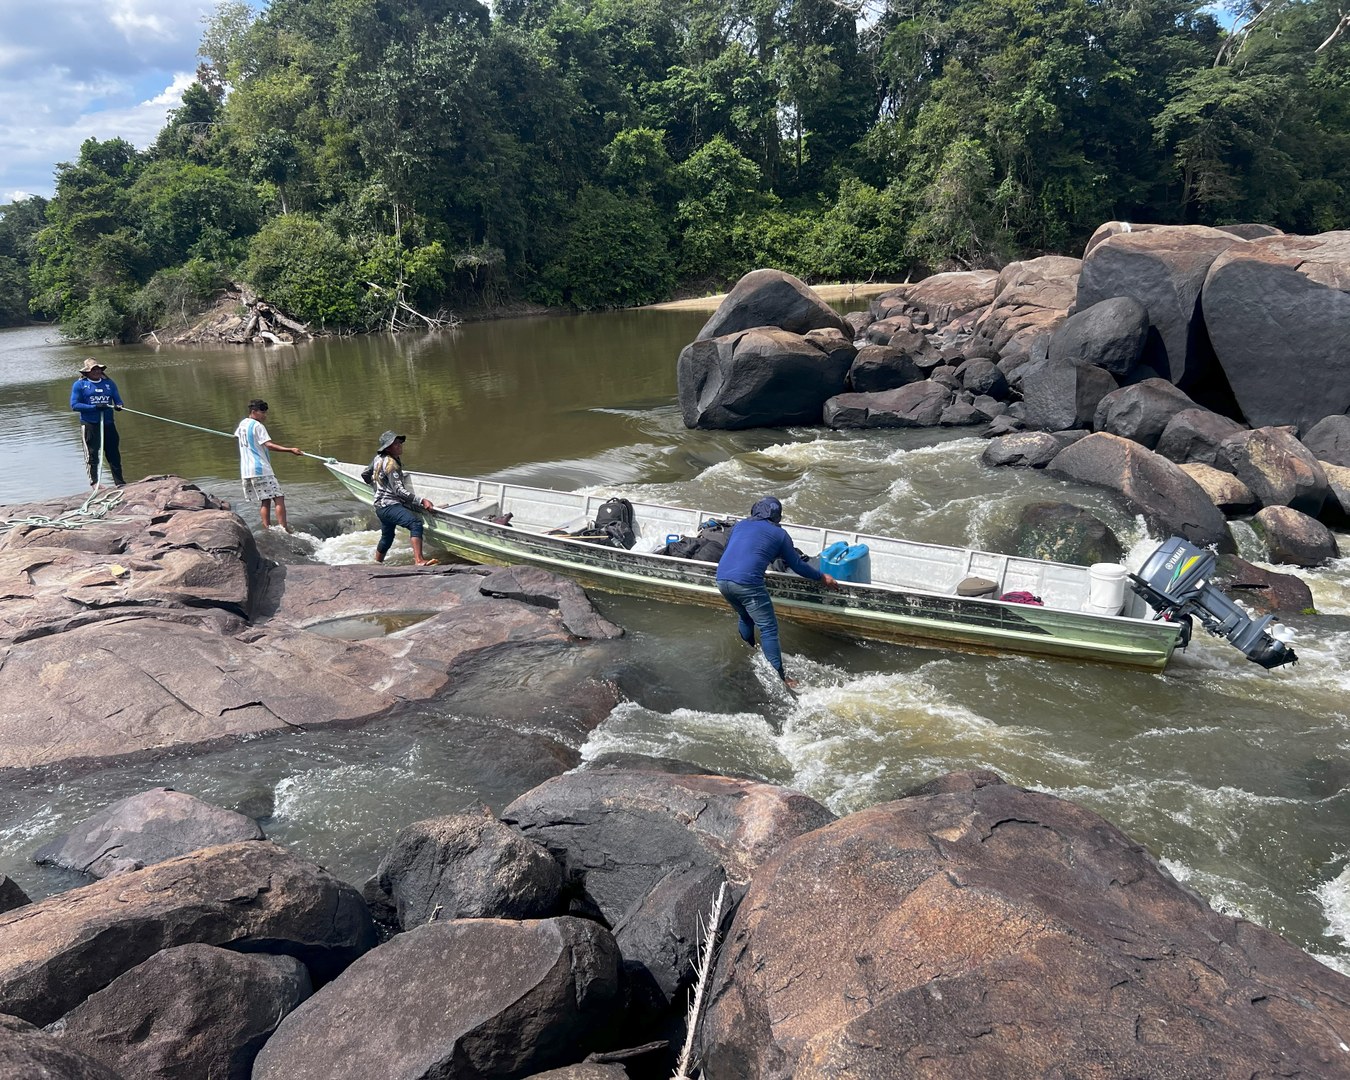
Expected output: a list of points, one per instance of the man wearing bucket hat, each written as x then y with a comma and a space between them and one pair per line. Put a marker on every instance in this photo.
94, 396
755, 542
395, 503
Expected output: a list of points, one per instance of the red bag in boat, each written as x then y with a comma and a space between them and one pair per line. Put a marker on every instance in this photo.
1021, 597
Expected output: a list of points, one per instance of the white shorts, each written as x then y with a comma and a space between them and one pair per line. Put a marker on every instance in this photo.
259, 489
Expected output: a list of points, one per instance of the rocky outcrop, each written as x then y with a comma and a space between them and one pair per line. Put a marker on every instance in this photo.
1109, 334
764, 377
1140, 412
147, 828
771, 298
465, 866
189, 1011
1169, 500
1031, 298
28, 1053
942, 297
1164, 269
1295, 538
987, 931
1329, 440
1278, 312
252, 897
1277, 468
485, 997
919, 404
538, 588
1195, 435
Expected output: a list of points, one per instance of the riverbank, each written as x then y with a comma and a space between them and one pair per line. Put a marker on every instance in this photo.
831, 294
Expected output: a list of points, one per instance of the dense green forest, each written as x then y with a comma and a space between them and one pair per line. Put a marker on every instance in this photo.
348, 156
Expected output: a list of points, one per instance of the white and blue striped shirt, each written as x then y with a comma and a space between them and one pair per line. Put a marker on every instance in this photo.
254, 459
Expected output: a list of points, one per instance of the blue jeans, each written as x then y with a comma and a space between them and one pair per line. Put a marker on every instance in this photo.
392, 516
753, 608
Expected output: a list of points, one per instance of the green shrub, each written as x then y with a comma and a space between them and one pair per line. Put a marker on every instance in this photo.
305, 268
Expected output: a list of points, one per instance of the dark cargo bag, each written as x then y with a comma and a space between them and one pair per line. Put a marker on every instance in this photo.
615, 517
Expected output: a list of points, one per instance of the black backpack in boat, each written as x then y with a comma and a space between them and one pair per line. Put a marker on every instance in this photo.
614, 518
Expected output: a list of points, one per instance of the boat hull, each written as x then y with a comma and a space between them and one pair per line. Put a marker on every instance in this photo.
879, 613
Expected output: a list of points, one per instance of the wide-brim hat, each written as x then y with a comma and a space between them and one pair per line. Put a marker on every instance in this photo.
90, 363
388, 439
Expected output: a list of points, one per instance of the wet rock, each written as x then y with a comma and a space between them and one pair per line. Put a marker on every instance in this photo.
763, 377
1195, 435
1059, 396
1329, 440
486, 997
1061, 532
981, 376
147, 828
463, 866
1266, 592
1169, 500
989, 932
1003, 424
1023, 449
1164, 269
251, 896
27, 1053
660, 935
880, 367
916, 405
1225, 490
539, 588
1279, 470
1109, 334
1278, 313
1141, 412
189, 1011
771, 298
11, 896
1295, 538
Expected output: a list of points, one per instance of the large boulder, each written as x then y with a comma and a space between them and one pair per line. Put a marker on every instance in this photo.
1278, 312
1024, 449
1266, 592
771, 298
763, 377
1337, 507
466, 866
1032, 298
1108, 229
983, 930
919, 404
147, 828
982, 377
1195, 435
1294, 538
621, 835
1329, 440
1164, 269
251, 896
1140, 412
1110, 334
189, 1011
1279, 470
1061, 532
1058, 396
29, 1053
940, 298
458, 1000
1169, 500
880, 367
1224, 489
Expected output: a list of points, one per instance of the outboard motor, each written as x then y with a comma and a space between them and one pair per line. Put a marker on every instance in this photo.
1175, 583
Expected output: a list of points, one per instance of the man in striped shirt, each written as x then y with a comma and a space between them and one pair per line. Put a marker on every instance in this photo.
255, 464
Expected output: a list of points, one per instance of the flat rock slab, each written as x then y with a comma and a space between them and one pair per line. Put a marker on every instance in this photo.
252, 896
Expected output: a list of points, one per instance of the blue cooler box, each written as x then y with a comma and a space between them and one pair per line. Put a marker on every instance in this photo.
847, 562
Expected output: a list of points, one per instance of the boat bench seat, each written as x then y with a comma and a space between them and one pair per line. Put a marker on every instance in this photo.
479, 508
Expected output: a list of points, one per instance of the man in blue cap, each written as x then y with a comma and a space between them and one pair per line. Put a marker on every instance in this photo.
755, 542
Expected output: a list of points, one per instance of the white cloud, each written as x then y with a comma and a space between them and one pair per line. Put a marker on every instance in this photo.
75, 69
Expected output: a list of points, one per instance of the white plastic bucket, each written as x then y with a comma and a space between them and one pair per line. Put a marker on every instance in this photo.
1106, 588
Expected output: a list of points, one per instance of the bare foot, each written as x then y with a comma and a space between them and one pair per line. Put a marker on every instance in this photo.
791, 684
429, 562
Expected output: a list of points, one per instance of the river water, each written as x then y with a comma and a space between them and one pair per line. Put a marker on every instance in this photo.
1238, 779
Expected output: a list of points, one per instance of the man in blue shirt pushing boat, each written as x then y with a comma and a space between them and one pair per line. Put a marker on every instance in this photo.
755, 542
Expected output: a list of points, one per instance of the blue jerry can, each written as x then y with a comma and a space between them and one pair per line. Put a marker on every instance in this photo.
847, 562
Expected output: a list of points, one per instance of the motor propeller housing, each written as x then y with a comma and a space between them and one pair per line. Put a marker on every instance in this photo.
1174, 581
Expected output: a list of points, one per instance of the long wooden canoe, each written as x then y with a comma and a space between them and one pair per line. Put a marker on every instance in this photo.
911, 598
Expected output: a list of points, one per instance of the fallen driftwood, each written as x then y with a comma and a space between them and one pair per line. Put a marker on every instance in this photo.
239, 317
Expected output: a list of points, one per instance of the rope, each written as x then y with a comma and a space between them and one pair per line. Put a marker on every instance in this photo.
222, 434
96, 507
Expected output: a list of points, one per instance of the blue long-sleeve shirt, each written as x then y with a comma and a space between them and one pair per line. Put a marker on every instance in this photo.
755, 543
94, 399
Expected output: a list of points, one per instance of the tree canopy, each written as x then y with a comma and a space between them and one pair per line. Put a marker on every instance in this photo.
349, 156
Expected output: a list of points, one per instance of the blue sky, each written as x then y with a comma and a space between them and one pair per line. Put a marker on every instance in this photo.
72, 69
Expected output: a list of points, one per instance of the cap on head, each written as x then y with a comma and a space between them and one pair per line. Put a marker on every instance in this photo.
388, 439
90, 364
767, 509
